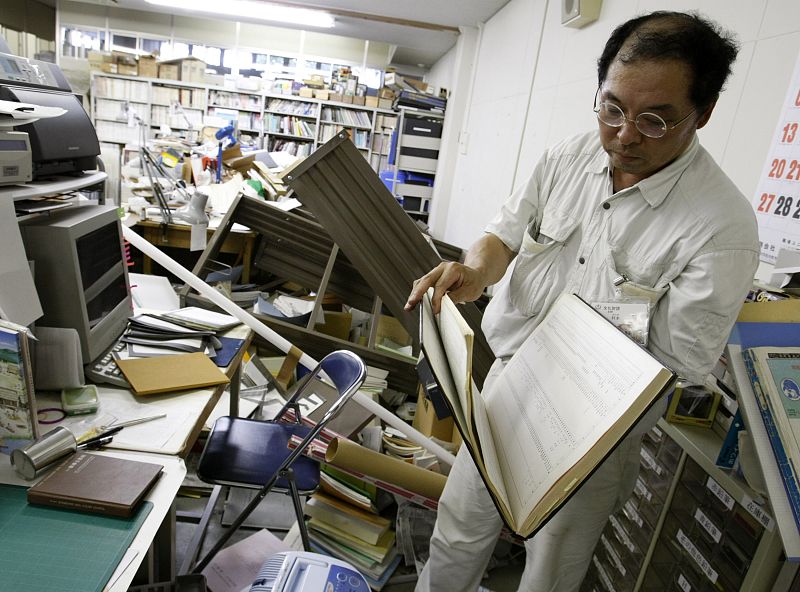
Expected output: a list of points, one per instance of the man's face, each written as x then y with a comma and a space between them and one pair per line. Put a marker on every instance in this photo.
660, 87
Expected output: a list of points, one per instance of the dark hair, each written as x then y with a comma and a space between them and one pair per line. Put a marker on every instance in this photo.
666, 35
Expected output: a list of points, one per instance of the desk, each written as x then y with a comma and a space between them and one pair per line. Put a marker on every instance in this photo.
164, 441
179, 236
160, 523
186, 411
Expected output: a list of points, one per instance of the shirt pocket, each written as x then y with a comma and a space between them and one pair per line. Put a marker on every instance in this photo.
531, 280
640, 277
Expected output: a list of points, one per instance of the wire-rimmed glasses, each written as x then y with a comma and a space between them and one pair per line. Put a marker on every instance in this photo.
648, 124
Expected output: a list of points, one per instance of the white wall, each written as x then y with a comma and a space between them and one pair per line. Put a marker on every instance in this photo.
533, 85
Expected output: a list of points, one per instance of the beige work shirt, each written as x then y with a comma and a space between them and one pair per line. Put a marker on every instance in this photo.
685, 239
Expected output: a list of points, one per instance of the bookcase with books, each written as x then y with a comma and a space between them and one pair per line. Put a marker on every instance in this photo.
291, 125
276, 122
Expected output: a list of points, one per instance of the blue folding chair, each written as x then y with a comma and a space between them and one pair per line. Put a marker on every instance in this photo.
254, 454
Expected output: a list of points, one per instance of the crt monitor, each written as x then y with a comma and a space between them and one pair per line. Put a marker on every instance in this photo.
81, 275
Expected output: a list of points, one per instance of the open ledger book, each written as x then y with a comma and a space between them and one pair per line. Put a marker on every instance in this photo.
562, 403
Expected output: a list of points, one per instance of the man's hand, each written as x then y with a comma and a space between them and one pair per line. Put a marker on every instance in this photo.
463, 283
485, 264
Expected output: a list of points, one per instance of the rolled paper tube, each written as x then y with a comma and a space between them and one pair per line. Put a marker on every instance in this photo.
349, 455
272, 337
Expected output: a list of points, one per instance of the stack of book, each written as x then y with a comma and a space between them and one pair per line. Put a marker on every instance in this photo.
184, 330
352, 530
775, 375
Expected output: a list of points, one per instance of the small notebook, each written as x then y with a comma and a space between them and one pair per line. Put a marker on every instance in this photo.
96, 483
164, 374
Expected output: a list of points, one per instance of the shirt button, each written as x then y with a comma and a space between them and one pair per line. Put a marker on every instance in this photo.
606, 205
581, 260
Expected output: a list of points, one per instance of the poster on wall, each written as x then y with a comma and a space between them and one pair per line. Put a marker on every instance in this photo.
777, 197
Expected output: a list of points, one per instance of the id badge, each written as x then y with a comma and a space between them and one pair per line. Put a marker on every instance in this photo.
630, 316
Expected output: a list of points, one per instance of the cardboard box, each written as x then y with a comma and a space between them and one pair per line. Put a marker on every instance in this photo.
168, 71
337, 324
385, 103
108, 68
128, 70
359, 100
187, 69
306, 92
148, 67
322, 93
426, 422
335, 97
371, 101
347, 99
192, 70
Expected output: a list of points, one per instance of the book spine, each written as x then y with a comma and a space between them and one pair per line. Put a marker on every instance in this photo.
73, 504
788, 475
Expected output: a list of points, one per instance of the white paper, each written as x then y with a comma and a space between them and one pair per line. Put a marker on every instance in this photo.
235, 567
19, 302
153, 292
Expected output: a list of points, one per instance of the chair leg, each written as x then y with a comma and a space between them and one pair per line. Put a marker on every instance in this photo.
298, 509
200, 531
262, 493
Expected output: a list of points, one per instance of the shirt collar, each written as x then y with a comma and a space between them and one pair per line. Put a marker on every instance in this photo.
655, 188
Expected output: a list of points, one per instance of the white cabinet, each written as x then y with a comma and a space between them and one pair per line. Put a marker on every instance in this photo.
415, 154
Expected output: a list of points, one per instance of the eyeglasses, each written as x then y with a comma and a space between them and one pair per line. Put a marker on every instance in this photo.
648, 124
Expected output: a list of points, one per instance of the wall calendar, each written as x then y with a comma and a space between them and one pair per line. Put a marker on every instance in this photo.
777, 197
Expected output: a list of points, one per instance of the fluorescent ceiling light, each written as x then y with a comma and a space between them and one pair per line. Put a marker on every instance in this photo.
253, 10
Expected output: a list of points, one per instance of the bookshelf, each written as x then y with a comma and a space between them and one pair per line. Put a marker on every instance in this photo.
276, 122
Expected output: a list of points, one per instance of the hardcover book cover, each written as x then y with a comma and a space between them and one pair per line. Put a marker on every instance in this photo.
96, 483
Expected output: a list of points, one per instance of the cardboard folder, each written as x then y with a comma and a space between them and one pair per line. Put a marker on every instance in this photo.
164, 374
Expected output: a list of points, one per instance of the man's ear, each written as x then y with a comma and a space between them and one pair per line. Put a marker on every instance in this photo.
706, 115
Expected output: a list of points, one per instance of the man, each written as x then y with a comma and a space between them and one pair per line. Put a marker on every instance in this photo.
637, 211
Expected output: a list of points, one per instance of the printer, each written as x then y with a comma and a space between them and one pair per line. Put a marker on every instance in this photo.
59, 145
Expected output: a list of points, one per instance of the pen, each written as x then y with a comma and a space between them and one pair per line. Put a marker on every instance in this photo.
131, 422
95, 442
106, 434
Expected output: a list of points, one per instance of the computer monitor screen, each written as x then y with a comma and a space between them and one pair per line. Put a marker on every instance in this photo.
81, 274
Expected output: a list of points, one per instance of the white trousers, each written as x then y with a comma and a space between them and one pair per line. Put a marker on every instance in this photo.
557, 557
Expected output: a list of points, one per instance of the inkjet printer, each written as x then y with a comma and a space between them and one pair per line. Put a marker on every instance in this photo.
59, 145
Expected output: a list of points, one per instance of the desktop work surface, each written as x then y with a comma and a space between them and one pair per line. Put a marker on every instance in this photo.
82, 551
184, 412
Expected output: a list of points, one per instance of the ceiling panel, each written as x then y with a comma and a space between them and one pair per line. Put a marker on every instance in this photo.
421, 30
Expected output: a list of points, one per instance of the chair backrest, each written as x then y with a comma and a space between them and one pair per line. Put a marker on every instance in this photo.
347, 371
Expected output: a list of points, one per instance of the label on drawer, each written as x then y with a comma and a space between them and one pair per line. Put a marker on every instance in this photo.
601, 573
684, 584
759, 513
720, 492
613, 555
632, 513
701, 561
622, 536
642, 491
707, 525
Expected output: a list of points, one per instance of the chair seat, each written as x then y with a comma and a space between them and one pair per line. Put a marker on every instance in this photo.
247, 453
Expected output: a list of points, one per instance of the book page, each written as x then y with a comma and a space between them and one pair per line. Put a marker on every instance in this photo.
437, 359
568, 384
450, 358
457, 338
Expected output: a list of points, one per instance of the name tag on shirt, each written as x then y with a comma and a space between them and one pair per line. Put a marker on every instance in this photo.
632, 318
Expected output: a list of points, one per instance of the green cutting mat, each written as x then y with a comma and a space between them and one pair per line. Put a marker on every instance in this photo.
47, 549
